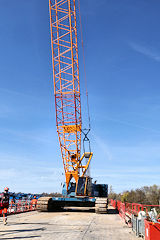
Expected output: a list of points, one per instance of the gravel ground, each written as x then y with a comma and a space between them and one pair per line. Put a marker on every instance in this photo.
66, 225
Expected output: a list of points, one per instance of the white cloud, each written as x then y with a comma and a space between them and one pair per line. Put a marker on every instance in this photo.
41, 135
131, 166
5, 110
7, 174
127, 178
12, 92
29, 179
103, 146
127, 123
146, 51
30, 173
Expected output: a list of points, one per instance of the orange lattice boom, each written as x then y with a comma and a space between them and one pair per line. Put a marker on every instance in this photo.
66, 85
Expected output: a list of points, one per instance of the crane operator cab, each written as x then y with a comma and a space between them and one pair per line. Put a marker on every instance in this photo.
85, 188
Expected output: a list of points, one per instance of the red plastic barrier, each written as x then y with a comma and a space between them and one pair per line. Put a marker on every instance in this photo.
121, 208
21, 206
113, 203
152, 231
131, 208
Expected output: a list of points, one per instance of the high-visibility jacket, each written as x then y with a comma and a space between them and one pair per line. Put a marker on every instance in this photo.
4, 200
34, 201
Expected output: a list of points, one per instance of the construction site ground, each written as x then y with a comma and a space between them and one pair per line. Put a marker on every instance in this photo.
69, 224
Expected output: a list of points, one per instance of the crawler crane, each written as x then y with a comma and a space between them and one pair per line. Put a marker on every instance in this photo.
78, 189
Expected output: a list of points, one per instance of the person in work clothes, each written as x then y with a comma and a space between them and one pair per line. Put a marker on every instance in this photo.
34, 203
4, 204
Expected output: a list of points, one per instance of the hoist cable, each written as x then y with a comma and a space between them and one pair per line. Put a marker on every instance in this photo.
85, 76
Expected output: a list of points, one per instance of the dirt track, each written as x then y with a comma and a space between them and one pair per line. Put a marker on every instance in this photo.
66, 225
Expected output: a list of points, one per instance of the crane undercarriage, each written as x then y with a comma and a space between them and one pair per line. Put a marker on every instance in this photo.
98, 198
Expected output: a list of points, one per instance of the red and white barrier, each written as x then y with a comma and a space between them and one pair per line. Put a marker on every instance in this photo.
21, 206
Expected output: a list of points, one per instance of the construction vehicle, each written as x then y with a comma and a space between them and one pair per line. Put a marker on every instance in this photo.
78, 189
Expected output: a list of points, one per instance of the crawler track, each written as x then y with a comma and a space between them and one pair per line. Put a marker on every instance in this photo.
44, 204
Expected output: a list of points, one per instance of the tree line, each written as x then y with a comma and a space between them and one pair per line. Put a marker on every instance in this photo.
53, 194
148, 195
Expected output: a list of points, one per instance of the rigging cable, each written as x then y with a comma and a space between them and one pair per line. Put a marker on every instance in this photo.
89, 121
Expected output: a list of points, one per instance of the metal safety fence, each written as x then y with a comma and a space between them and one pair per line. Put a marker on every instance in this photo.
135, 215
138, 226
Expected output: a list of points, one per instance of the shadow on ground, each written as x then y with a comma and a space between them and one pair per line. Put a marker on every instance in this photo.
31, 237
78, 209
8, 232
112, 211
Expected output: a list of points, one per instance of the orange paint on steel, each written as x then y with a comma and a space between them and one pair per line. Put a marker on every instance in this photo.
66, 85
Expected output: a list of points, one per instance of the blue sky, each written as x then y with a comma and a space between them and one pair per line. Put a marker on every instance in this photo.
122, 51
